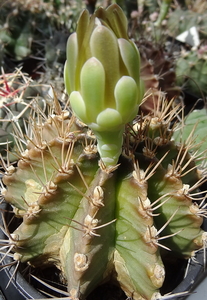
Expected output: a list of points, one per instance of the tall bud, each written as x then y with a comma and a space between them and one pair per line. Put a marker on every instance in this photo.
102, 77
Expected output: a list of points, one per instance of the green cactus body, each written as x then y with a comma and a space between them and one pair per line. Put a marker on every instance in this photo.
181, 20
95, 211
43, 173
69, 192
195, 122
90, 259
191, 71
178, 202
108, 221
134, 245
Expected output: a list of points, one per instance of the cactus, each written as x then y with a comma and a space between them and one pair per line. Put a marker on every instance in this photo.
115, 218
92, 214
191, 71
28, 27
195, 122
19, 102
181, 20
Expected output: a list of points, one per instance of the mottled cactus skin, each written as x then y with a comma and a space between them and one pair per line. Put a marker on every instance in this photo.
92, 221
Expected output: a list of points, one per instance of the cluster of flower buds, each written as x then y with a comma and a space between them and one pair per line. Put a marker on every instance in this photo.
102, 77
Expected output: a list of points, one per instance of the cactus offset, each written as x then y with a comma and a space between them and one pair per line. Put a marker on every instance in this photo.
91, 215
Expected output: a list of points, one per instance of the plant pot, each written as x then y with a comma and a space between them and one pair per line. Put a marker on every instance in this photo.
19, 288
194, 276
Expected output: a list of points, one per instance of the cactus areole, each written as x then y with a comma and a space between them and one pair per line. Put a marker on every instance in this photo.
94, 219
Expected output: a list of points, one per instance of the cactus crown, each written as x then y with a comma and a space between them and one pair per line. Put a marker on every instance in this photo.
105, 90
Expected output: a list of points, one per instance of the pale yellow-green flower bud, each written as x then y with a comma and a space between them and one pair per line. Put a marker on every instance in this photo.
102, 77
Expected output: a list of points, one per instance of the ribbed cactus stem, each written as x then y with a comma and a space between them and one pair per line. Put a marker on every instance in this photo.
96, 221
85, 262
47, 172
177, 203
136, 242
